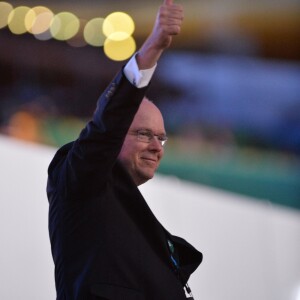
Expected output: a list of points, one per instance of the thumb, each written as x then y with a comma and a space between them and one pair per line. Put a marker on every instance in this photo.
168, 2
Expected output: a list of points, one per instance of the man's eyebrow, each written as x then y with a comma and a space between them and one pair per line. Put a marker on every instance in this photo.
150, 130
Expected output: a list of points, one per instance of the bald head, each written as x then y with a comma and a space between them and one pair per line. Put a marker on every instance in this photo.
141, 158
148, 116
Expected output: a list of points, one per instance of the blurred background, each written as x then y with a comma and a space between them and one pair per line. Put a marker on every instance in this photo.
229, 87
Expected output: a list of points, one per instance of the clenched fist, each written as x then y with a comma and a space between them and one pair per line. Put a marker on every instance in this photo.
167, 24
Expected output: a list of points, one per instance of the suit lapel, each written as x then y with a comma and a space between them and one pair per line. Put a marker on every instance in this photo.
140, 213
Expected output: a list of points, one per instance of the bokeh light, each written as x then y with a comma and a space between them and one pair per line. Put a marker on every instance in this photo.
113, 33
5, 10
64, 26
93, 32
118, 26
44, 36
38, 19
24, 125
119, 50
16, 20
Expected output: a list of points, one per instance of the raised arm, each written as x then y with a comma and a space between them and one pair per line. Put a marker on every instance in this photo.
91, 157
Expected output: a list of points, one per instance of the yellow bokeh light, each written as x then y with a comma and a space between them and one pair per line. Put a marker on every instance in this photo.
119, 36
93, 32
16, 20
118, 26
64, 26
119, 50
5, 10
42, 22
38, 19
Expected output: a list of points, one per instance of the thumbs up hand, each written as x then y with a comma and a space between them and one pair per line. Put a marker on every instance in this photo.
167, 24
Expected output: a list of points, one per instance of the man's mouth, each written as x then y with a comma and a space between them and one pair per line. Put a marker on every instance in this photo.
150, 160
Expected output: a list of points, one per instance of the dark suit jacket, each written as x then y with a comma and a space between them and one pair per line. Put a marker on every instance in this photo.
106, 243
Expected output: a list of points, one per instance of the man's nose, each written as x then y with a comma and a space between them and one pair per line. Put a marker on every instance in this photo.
155, 144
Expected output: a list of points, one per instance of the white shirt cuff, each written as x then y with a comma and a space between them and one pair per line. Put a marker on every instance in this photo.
139, 78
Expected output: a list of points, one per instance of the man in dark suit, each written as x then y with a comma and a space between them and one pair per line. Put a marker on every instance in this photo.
106, 243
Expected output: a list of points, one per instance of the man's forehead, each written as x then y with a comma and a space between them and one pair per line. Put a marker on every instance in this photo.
149, 119
147, 104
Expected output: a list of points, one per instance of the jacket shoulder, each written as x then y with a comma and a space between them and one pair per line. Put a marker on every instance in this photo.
59, 156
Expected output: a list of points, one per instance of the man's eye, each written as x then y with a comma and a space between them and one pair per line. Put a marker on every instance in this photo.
146, 133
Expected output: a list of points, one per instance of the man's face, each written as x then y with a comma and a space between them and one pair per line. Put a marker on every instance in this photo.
140, 158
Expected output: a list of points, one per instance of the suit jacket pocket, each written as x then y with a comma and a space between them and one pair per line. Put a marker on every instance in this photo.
114, 292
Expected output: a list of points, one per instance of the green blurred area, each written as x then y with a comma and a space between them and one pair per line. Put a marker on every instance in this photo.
266, 176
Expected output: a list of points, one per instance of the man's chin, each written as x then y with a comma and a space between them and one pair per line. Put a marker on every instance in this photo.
145, 176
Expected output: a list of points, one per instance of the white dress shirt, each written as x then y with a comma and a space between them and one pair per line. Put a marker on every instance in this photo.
139, 78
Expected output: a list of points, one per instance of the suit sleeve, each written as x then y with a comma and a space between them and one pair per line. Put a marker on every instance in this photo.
85, 164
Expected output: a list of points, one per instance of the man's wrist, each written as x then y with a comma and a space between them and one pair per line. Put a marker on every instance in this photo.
139, 78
